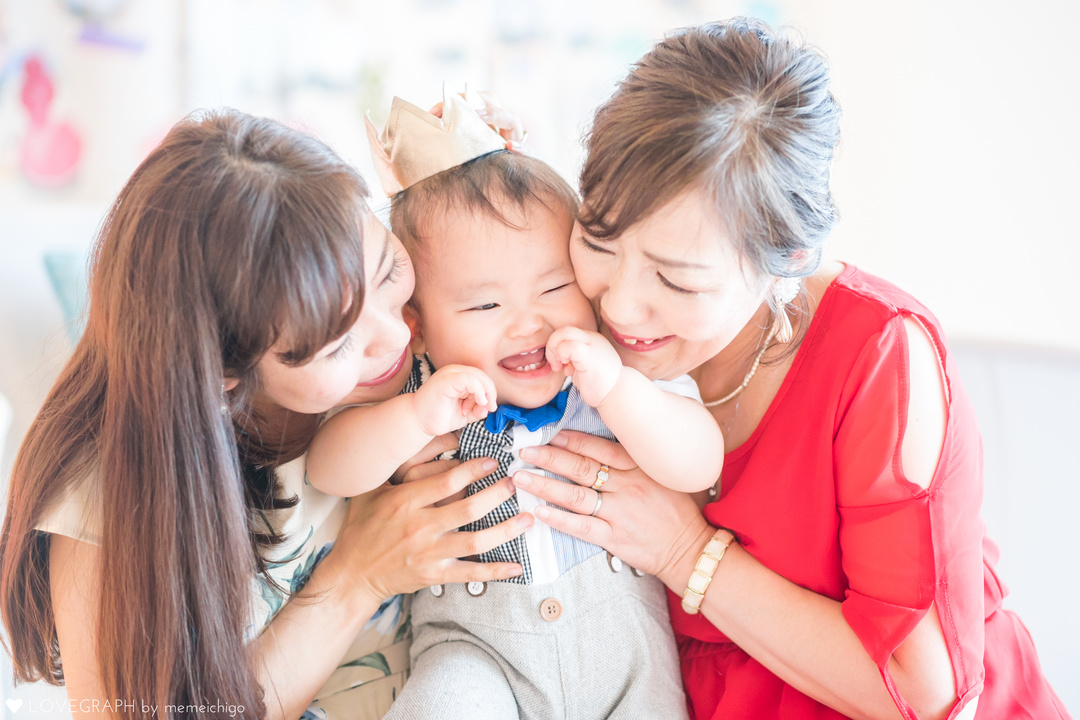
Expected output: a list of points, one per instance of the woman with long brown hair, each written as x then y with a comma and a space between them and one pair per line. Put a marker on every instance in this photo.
162, 554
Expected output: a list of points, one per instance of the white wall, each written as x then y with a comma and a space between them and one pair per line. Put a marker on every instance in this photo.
958, 163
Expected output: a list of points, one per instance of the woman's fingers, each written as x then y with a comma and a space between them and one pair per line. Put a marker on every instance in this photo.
464, 571
584, 527
577, 498
437, 446
472, 508
429, 469
467, 544
508, 123
581, 469
604, 451
439, 487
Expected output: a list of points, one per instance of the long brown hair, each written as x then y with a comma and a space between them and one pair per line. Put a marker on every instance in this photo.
234, 232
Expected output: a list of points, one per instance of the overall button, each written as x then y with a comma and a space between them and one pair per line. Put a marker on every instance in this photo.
476, 589
436, 590
614, 563
550, 610
637, 573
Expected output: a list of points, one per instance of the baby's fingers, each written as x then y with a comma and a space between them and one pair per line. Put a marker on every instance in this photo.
551, 353
475, 384
560, 350
490, 392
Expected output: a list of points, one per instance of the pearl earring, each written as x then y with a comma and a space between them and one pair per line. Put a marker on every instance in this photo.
224, 407
785, 290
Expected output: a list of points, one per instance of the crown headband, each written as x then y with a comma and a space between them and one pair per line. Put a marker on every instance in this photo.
415, 144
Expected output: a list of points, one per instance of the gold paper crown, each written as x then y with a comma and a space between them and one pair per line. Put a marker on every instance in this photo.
416, 145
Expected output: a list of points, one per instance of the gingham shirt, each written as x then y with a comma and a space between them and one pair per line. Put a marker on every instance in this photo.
543, 552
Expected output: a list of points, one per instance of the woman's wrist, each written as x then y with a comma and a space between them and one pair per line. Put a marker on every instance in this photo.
702, 575
351, 586
685, 553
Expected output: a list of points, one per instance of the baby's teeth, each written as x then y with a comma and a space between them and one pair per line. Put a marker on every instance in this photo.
527, 368
648, 342
631, 341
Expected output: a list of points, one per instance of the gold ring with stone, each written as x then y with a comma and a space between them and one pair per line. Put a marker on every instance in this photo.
602, 476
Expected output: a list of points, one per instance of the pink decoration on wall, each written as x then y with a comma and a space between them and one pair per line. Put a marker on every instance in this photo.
50, 152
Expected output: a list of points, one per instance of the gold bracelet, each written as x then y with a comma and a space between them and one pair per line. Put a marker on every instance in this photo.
714, 550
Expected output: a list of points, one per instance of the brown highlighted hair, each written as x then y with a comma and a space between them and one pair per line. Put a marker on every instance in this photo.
735, 108
478, 186
233, 232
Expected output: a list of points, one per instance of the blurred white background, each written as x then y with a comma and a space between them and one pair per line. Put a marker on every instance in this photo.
954, 177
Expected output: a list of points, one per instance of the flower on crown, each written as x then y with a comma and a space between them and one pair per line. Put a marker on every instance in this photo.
415, 144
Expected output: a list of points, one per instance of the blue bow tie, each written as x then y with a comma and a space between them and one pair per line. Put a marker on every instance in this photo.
532, 418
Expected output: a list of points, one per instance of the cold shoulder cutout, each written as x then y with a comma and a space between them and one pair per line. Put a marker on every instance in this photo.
818, 493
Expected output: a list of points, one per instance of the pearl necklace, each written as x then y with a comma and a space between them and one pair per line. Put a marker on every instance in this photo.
750, 374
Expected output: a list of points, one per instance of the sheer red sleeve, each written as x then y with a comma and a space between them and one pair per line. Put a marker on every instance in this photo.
887, 544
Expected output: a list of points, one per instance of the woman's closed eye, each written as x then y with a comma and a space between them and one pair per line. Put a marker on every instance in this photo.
343, 349
593, 247
396, 270
672, 286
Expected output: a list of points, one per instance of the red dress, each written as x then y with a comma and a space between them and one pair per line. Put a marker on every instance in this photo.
818, 494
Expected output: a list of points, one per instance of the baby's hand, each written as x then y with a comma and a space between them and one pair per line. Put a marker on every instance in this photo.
453, 397
588, 358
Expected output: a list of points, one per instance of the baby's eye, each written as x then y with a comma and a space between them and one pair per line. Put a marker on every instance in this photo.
564, 285
485, 306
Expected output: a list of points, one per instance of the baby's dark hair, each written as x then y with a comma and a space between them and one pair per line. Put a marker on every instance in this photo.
477, 186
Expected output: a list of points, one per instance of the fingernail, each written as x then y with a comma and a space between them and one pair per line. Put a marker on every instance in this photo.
526, 520
515, 572
529, 453
542, 512
489, 464
522, 479
558, 441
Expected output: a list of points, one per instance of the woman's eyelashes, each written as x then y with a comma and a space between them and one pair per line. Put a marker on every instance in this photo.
343, 349
672, 286
396, 269
593, 247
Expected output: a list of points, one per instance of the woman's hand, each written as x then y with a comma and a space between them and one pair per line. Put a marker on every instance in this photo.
423, 464
647, 525
396, 540
505, 122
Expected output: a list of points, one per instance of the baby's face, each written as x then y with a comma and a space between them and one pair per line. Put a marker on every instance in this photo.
490, 296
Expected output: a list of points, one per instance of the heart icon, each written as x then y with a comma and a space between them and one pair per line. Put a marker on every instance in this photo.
13, 704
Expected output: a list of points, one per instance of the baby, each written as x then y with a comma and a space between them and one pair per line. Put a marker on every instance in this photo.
505, 324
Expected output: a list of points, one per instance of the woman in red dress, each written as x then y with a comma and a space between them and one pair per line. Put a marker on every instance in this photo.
857, 578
